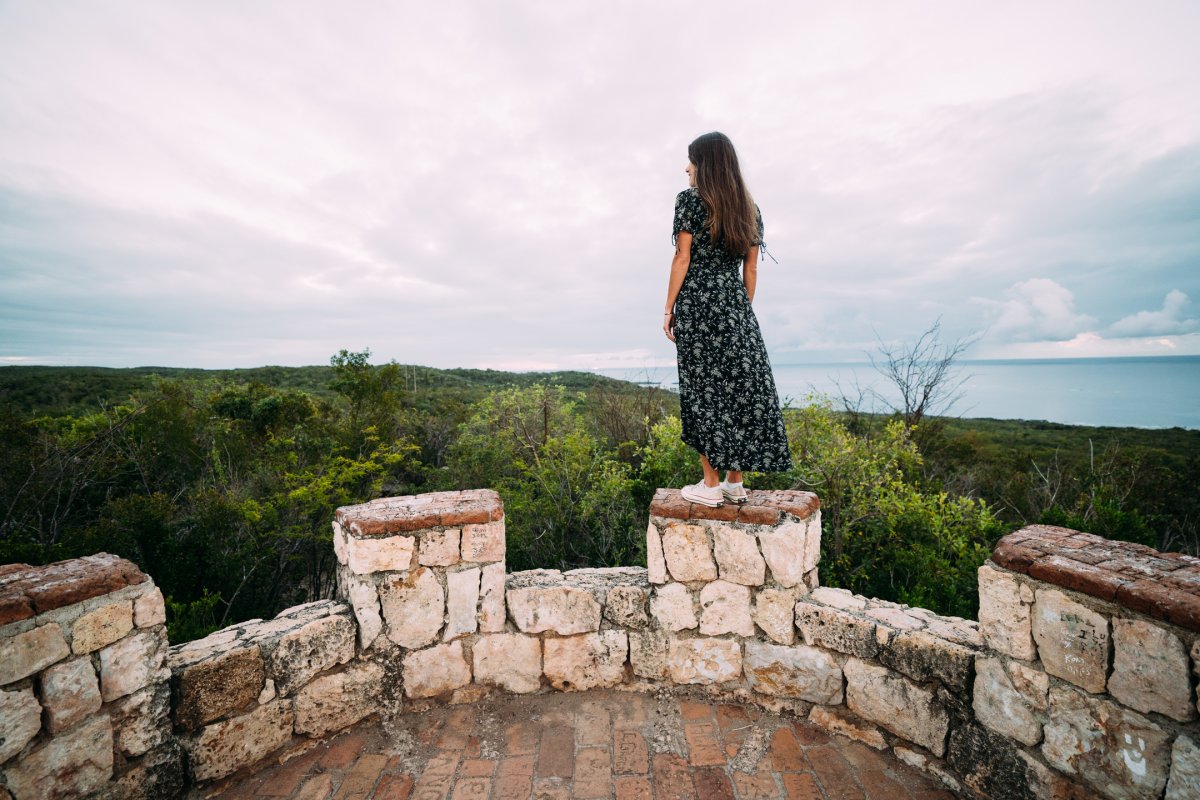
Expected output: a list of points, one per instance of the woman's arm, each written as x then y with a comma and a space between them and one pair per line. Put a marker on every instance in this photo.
750, 271
679, 267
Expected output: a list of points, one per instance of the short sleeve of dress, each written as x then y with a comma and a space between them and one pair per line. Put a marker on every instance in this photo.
686, 218
758, 221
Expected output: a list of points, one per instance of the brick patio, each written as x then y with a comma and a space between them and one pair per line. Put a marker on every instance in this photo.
589, 745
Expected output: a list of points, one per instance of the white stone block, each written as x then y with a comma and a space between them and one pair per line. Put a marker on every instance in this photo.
565, 610
783, 549
483, 542
775, 613
588, 661
511, 661
672, 606
439, 548
436, 670
725, 608
909, 710
1004, 619
1073, 641
462, 602
1150, 670
738, 558
413, 607
806, 672
704, 660
656, 564
687, 553
491, 601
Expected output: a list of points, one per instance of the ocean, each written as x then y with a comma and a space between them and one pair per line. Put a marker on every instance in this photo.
1160, 392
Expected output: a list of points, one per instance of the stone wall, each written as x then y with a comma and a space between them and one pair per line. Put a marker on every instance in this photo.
1078, 682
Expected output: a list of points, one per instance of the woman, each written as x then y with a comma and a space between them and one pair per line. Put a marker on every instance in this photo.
729, 406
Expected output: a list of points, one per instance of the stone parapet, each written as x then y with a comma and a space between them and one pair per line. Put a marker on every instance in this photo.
84, 692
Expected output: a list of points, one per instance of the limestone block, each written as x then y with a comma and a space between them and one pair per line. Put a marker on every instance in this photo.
1072, 640
304, 653
511, 661
337, 700
20, 720
1113, 750
413, 606
491, 598
268, 692
226, 746
687, 553
784, 551
1004, 619
74, 763
101, 626
133, 662
373, 554
656, 564
626, 606
837, 721
923, 656
672, 607
738, 558
30, 651
806, 672
812, 544
960, 631
462, 600
704, 660
141, 720
149, 609
1011, 701
483, 541
364, 599
895, 618
566, 610
839, 598
1150, 670
218, 686
835, 629
725, 608
436, 670
439, 548
586, 662
1184, 783
70, 693
775, 613
894, 702
648, 654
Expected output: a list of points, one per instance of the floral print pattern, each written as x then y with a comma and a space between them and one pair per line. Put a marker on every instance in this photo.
728, 402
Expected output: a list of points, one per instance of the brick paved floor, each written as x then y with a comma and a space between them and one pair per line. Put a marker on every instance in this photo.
588, 745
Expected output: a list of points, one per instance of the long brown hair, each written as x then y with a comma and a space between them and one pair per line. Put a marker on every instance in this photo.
730, 207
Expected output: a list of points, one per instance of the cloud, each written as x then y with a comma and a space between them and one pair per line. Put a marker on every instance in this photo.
1167, 320
1037, 309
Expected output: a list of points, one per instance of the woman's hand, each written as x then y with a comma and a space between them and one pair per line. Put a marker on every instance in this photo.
669, 325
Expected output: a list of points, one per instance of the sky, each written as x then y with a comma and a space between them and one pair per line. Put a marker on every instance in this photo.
476, 184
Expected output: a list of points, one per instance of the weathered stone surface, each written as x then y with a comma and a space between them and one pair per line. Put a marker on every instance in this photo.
483, 542
331, 702
364, 599
1116, 751
806, 672
725, 608
656, 564
738, 558
491, 598
672, 607
704, 660
812, 542
30, 651
1073, 641
141, 721
462, 600
439, 548
783, 548
835, 720
895, 618
227, 746
149, 609
897, 704
373, 554
131, 663
648, 654
305, 652
70, 692
1004, 620
72, 764
26, 590
217, 686
687, 553
626, 606
989, 763
1184, 783
586, 662
566, 610
421, 511
1012, 700
835, 629
775, 613
960, 631
413, 606
101, 626
839, 598
436, 670
923, 656
511, 661
1150, 670
20, 720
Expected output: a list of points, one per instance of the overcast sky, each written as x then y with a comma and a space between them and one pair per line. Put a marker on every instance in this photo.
491, 184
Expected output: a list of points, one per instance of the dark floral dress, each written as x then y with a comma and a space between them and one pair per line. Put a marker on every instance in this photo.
729, 406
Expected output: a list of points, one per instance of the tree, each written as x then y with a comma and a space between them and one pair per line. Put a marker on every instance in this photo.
923, 373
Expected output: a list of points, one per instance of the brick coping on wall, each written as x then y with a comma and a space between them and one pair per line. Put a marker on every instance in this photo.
1164, 586
26, 591
762, 507
390, 515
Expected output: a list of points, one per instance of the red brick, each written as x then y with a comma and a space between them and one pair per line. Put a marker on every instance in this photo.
802, 786
785, 752
758, 515
437, 778
1016, 557
551, 789
863, 757
630, 753
633, 788
810, 735
393, 787
514, 778
521, 738
1069, 574
834, 773
477, 768
712, 784
592, 723
361, 779
593, 774
671, 778
703, 748
556, 756
472, 789
878, 785
692, 711
284, 779
456, 731
1161, 602
757, 786
343, 750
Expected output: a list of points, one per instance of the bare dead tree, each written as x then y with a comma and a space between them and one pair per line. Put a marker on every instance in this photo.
924, 373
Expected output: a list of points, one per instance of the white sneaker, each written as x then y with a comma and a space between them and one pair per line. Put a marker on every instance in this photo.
734, 494
710, 496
